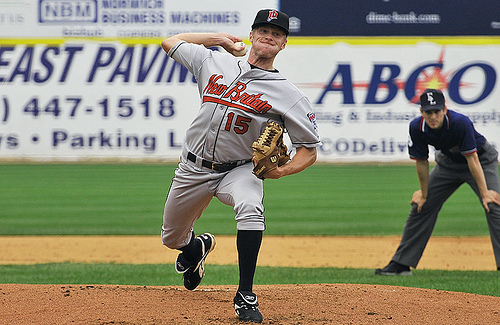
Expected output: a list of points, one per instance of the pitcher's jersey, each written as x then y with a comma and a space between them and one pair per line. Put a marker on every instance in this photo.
236, 103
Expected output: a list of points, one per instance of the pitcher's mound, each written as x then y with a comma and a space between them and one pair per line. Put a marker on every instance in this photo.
279, 304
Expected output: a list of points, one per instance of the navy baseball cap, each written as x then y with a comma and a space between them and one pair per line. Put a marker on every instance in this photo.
432, 99
273, 17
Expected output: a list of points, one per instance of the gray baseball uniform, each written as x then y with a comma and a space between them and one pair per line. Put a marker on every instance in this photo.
237, 100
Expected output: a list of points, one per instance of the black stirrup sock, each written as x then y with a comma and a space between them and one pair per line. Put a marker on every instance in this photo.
192, 251
248, 244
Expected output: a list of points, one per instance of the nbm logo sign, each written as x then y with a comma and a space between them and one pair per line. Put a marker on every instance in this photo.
67, 11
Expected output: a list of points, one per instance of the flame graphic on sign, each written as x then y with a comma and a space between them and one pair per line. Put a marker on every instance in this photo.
436, 79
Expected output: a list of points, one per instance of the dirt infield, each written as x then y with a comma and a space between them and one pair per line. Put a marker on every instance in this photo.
282, 304
447, 253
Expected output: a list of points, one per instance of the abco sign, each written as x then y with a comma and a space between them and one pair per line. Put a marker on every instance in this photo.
385, 77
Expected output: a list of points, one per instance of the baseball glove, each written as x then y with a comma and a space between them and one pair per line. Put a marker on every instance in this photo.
269, 151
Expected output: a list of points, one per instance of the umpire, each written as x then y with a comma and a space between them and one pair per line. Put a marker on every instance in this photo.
463, 156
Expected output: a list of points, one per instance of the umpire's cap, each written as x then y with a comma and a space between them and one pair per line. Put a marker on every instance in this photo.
432, 99
273, 17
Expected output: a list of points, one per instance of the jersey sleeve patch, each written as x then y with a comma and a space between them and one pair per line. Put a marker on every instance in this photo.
312, 117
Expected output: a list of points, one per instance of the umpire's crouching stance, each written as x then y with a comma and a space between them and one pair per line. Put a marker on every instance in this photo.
463, 156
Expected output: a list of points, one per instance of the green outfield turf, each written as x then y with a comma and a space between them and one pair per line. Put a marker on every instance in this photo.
127, 199
479, 282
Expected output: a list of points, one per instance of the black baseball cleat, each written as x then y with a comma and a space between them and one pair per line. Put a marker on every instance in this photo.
193, 272
394, 268
246, 307
182, 264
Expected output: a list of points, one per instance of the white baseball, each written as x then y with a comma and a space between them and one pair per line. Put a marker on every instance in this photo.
242, 52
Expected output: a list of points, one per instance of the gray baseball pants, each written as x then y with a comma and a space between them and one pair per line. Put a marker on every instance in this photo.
444, 179
191, 191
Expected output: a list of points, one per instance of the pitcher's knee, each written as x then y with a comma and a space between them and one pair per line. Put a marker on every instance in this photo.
174, 240
250, 223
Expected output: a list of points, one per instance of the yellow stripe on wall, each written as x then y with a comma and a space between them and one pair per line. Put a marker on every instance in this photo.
375, 40
394, 40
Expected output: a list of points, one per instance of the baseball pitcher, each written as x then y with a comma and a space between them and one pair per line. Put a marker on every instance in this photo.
234, 143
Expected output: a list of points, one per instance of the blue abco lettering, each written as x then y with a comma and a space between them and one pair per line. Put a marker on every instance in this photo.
391, 85
490, 80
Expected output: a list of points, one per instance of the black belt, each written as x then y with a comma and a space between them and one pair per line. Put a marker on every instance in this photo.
217, 167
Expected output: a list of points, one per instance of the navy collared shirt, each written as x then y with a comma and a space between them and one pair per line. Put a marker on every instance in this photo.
456, 138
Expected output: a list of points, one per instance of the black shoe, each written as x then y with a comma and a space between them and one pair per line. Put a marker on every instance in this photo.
394, 269
193, 272
182, 264
246, 307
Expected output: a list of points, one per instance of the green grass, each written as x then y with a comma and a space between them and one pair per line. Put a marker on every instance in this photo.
127, 199
67, 199
485, 283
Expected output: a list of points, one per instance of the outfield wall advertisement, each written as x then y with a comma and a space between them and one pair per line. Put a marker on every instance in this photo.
393, 18
109, 99
126, 18
103, 95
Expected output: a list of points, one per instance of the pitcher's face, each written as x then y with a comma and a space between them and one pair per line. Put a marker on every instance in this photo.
267, 40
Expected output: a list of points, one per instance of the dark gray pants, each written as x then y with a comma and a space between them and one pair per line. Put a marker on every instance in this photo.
444, 179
